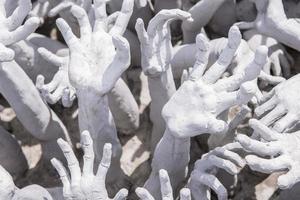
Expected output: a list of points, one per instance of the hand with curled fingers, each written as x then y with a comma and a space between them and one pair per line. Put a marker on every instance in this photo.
85, 185
203, 177
166, 189
156, 44
208, 94
99, 57
283, 148
280, 108
60, 86
12, 29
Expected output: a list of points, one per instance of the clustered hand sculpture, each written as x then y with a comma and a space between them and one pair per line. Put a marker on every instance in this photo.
198, 84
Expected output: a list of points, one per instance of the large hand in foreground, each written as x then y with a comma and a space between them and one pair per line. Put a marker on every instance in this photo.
85, 185
60, 86
166, 189
203, 177
208, 96
284, 150
11, 30
156, 44
99, 58
280, 108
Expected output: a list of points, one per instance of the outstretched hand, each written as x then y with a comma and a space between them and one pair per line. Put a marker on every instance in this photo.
208, 94
100, 56
284, 150
85, 185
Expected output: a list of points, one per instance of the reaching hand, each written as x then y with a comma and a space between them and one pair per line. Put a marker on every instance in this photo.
280, 108
203, 177
208, 96
156, 44
166, 189
86, 185
98, 58
60, 86
11, 28
284, 150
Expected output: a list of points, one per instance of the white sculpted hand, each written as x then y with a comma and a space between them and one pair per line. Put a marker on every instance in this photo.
156, 44
284, 150
60, 86
86, 185
98, 58
166, 189
280, 108
208, 96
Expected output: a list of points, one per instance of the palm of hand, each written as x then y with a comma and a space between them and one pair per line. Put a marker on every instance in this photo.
87, 61
99, 57
208, 94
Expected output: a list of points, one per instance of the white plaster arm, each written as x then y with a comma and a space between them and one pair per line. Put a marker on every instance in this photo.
203, 177
85, 185
19, 90
280, 107
272, 21
94, 70
156, 49
210, 95
284, 150
183, 122
165, 188
201, 12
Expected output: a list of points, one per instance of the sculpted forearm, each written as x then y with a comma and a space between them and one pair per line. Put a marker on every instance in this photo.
202, 12
161, 89
124, 108
169, 150
34, 114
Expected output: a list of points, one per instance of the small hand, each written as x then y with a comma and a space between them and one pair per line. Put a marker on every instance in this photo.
60, 86
203, 177
86, 185
166, 189
280, 108
284, 150
156, 44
